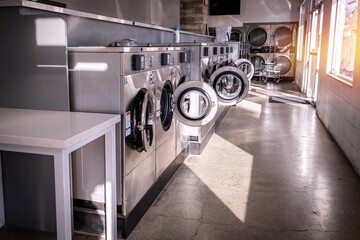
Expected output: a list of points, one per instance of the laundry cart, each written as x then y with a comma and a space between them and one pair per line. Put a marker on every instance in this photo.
270, 71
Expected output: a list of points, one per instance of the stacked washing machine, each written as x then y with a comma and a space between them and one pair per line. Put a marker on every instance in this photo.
272, 43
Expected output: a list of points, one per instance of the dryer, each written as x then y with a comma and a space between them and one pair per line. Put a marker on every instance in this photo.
257, 59
284, 36
287, 62
258, 35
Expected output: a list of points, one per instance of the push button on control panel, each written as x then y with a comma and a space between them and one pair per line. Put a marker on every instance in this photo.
138, 62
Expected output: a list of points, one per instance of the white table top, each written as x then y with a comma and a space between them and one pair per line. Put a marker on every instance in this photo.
52, 129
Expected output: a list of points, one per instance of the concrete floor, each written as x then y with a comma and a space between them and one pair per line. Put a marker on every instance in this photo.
271, 172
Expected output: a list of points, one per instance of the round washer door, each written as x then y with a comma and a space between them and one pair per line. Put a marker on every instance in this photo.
231, 85
195, 103
257, 37
246, 66
141, 110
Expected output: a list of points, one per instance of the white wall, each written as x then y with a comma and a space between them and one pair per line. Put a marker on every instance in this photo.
338, 104
263, 11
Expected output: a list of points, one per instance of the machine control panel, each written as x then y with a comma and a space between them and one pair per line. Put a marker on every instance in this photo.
215, 50
165, 59
138, 62
206, 52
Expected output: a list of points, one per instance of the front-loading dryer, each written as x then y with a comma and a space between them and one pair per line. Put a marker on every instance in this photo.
284, 36
287, 61
258, 36
258, 60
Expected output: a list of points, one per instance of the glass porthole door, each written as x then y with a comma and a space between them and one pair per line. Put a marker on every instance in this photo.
142, 116
230, 84
195, 103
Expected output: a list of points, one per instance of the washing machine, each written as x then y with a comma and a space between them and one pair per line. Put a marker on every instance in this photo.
206, 59
258, 35
176, 65
116, 80
182, 131
234, 51
169, 78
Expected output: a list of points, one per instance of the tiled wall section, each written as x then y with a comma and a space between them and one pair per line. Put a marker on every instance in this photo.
338, 104
193, 16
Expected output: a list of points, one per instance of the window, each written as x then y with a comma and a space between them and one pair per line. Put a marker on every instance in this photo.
342, 44
301, 39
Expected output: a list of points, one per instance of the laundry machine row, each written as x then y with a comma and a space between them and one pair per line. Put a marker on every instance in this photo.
164, 106
138, 83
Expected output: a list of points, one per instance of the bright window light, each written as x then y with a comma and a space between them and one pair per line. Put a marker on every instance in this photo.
342, 47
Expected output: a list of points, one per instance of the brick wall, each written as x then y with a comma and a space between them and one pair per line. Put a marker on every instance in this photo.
193, 16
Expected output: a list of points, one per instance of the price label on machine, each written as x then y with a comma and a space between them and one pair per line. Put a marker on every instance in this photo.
127, 123
158, 106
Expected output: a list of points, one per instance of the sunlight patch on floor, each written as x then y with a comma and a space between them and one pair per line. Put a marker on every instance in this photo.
226, 170
254, 109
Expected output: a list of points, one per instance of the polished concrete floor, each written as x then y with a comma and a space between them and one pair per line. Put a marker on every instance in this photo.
271, 172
